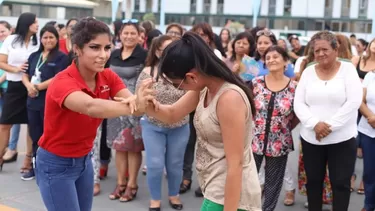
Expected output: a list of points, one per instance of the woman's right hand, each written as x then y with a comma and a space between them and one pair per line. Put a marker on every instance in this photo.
31, 90
322, 130
22, 68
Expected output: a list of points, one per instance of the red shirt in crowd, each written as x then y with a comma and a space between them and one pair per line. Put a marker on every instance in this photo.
68, 133
62, 46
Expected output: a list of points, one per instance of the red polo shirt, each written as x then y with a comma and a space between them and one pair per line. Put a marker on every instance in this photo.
68, 133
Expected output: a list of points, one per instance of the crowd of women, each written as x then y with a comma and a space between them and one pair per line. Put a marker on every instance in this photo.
86, 92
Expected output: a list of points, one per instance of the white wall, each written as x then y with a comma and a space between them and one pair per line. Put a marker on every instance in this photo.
238, 7
177, 6
336, 11
264, 8
371, 4
280, 7
213, 9
354, 9
315, 8
299, 8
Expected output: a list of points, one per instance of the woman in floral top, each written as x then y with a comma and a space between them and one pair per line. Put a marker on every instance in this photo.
274, 121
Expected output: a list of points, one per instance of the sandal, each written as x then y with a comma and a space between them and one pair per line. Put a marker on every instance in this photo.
185, 187
289, 198
116, 194
129, 195
361, 191
96, 189
26, 164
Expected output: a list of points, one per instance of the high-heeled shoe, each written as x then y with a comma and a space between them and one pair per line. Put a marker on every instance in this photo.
176, 206
1, 165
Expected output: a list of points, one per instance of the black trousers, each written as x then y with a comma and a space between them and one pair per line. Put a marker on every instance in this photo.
105, 151
35, 126
190, 150
341, 161
274, 179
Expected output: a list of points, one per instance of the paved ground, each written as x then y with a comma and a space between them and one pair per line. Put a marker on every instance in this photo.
24, 196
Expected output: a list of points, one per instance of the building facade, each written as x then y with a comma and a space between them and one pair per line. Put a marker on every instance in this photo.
302, 15
297, 16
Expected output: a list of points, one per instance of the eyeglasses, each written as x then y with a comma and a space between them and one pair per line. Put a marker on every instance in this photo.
173, 33
265, 33
132, 21
177, 86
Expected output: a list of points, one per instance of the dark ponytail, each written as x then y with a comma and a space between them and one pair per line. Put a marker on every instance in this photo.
190, 52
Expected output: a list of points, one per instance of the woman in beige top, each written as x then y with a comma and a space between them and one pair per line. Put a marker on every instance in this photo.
223, 120
165, 144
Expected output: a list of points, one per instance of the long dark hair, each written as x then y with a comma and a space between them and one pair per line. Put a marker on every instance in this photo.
190, 52
22, 29
157, 42
251, 41
55, 50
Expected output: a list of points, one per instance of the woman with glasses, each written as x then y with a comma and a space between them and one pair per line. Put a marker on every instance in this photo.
204, 30
223, 120
164, 143
175, 31
124, 133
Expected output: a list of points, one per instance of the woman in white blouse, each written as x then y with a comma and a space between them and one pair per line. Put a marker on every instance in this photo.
14, 53
326, 102
366, 128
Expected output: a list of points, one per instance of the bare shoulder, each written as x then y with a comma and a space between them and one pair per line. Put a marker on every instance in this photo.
231, 101
147, 70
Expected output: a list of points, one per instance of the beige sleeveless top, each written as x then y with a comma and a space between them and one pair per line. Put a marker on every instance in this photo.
210, 156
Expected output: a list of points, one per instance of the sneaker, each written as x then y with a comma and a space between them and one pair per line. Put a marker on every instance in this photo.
29, 175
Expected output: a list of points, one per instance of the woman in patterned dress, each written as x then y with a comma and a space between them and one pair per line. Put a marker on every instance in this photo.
274, 122
124, 133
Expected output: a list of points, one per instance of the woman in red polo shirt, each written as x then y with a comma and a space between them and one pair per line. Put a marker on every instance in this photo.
76, 103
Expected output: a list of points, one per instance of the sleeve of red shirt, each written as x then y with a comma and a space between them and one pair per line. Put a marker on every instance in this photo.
60, 88
115, 83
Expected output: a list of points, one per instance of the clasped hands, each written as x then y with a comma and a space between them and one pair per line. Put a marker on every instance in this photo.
143, 98
322, 130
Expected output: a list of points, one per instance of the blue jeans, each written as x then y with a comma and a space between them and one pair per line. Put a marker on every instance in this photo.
164, 147
65, 183
368, 147
14, 132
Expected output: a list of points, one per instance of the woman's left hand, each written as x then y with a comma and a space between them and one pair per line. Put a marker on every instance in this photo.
145, 94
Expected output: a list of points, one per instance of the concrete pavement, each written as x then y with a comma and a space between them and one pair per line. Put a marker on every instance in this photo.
18, 195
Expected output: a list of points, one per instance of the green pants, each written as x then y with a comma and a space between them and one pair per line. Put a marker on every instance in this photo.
212, 206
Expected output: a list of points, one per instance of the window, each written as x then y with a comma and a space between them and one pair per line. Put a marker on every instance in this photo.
287, 7
345, 9
78, 12
137, 4
318, 25
193, 6
272, 7
328, 3
335, 26
149, 5
345, 27
220, 7
207, 6
363, 4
